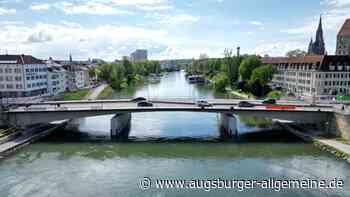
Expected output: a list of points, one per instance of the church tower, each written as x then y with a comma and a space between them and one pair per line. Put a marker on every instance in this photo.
318, 47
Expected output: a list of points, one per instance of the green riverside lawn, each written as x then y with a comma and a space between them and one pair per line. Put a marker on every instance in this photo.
76, 95
105, 93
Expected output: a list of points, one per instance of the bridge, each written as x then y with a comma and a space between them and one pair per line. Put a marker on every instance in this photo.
33, 113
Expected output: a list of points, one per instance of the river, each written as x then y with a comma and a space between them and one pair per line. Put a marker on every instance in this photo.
84, 162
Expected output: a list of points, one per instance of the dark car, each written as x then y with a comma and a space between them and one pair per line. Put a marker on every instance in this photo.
245, 104
269, 101
138, 99
144, 104
203, 103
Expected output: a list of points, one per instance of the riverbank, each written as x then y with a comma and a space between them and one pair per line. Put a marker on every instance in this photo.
105, 93
76, 95
239, 94
333, 146
96, 92
27, 136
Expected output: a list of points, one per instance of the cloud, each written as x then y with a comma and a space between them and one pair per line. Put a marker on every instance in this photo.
94, 8
277, 48
155, 8
40, 7
257, 23
135, 2
176, 19
7, 11
39, 37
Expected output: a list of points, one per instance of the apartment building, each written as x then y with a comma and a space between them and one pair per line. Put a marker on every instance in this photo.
343, 39
22, 76
139, 55
320, 76
77, 77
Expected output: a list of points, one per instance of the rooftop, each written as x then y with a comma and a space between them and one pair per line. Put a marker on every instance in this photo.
19, 59
345, 29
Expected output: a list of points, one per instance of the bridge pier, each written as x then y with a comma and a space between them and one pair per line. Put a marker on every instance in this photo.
120, 126
227, 125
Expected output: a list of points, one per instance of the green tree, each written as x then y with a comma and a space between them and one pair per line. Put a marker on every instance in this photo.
230, 66
220, 82
105, 71
263, 74
247, 66
275, 94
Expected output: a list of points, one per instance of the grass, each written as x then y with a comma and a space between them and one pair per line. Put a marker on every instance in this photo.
105, 93
239, 94
76, 95
343, 98
5, 132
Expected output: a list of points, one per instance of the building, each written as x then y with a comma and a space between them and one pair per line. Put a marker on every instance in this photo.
57, 78
317, 47
343, 39
22, 76
77, 77
312, 76
139, 55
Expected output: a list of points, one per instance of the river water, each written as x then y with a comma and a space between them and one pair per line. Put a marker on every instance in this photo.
84, 162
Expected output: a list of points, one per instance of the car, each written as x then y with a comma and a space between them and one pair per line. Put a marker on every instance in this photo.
138, 99
245, 104
269, 101
144, 104
203, 103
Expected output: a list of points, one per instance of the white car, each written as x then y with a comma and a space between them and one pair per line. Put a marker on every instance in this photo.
203, 103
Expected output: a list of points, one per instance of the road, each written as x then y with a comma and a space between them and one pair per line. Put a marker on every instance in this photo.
96, 91
158, 104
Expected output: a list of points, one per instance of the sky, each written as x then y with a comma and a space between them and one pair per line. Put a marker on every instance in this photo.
168, 29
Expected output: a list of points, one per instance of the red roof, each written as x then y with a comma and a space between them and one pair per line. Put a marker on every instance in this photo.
19, 59
291, 60
345, 30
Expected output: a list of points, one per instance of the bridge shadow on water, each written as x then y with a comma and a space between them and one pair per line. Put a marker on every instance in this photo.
273, 135
161, 128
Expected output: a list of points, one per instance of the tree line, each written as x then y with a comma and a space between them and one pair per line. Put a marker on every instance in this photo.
120, 75
246, 72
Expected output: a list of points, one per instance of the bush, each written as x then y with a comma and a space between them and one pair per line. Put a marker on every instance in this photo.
275, 94
220, 82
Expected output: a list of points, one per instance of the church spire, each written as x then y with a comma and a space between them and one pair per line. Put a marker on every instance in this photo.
318, 47
310, 49
70, 57
319, 33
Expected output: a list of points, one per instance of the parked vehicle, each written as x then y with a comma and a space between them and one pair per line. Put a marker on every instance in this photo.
203, 103
144, 104
269, 101
245, 104
138, 99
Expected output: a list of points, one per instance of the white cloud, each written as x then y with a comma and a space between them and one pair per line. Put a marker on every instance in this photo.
6, 11
40, 7
94, 8
155, 8
39, 37
257, 23
277, 48
177, 19
135, 2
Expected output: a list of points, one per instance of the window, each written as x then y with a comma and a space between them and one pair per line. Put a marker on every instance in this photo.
9, 86
9, 78
1, 70
29, 86
28, 78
